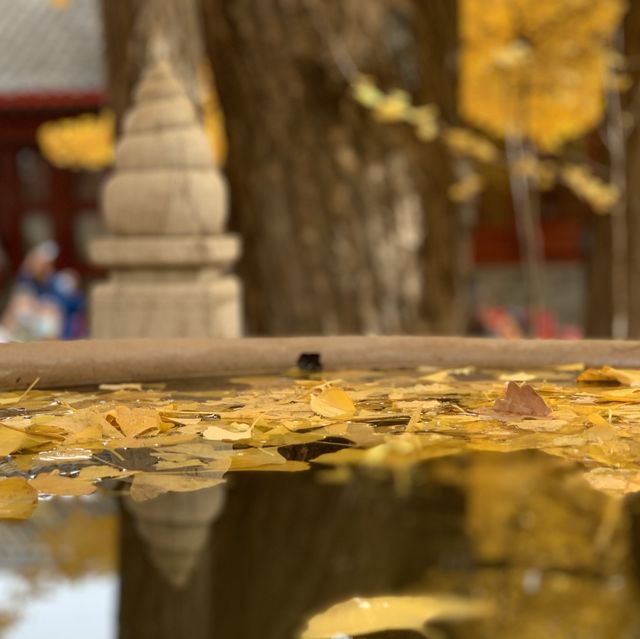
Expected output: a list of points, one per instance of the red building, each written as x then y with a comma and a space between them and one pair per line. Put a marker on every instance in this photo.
51, 66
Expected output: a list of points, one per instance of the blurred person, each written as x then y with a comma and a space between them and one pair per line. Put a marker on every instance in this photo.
43, 304
67, 292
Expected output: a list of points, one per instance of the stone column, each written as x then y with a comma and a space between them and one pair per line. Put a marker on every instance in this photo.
165, 207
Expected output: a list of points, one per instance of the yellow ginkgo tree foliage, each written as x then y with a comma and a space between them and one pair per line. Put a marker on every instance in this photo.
536, 69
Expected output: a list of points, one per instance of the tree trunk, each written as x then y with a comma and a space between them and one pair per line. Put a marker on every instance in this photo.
129, 26
286, 546
345, 220
150, 608
601, 279
632, 51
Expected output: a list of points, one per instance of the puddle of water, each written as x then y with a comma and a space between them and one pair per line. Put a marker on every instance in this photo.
410, 501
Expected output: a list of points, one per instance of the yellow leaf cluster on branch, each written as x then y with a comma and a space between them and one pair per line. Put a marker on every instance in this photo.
600, 195
396, 106
465, 188
536, 68
469, 144
542, 172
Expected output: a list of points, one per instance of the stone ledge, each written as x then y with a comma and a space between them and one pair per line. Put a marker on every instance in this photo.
164, 252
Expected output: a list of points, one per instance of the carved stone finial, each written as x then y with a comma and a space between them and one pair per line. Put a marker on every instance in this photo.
165, 180
165, 207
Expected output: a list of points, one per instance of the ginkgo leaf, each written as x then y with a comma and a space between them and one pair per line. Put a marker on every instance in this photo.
134, 422
628, 377
333, 403
11, 439
360, 616
521, 400
149, 485
126, 386
616, 482
54, 483
235, 432
18, 499
93, 473
16, 398
520, 376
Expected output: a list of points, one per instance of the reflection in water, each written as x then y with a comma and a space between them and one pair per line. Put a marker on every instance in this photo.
84, 608
261, 555
523, 530
175, 529
400, 502
58, 571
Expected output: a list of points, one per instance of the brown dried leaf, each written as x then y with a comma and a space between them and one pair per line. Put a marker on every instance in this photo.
521, 400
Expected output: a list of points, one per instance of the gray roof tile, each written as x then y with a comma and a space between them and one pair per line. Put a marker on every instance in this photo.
47, 50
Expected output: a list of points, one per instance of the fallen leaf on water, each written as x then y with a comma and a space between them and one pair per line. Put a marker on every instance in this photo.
65, 455
11, 439
570, 368
251, 458
149, 485
126, 386
333, 403
520, 376
540, 425
359, 615
18, 499
15, 398
289, 466
235, 432
626, 376
616, 482
150, 442
54, 483
93, 473
133, 422
521, 400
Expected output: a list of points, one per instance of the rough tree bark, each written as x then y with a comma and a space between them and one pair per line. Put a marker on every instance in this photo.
287, 546
345, 220
601, 280
632, 52
346, 228
128, 26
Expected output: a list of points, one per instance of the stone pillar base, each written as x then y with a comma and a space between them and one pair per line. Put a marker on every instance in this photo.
165, 287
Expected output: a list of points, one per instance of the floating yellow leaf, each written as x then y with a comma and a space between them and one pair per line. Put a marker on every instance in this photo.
55, 484
359, 616
149, 485
133, 422
616, 482
17, 498
15, 398
11, 439
520, 376
94, 473
235, 432
626, 376
126, 386
333, 403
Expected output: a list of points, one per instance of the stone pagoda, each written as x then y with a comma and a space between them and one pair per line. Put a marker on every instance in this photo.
165, 208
